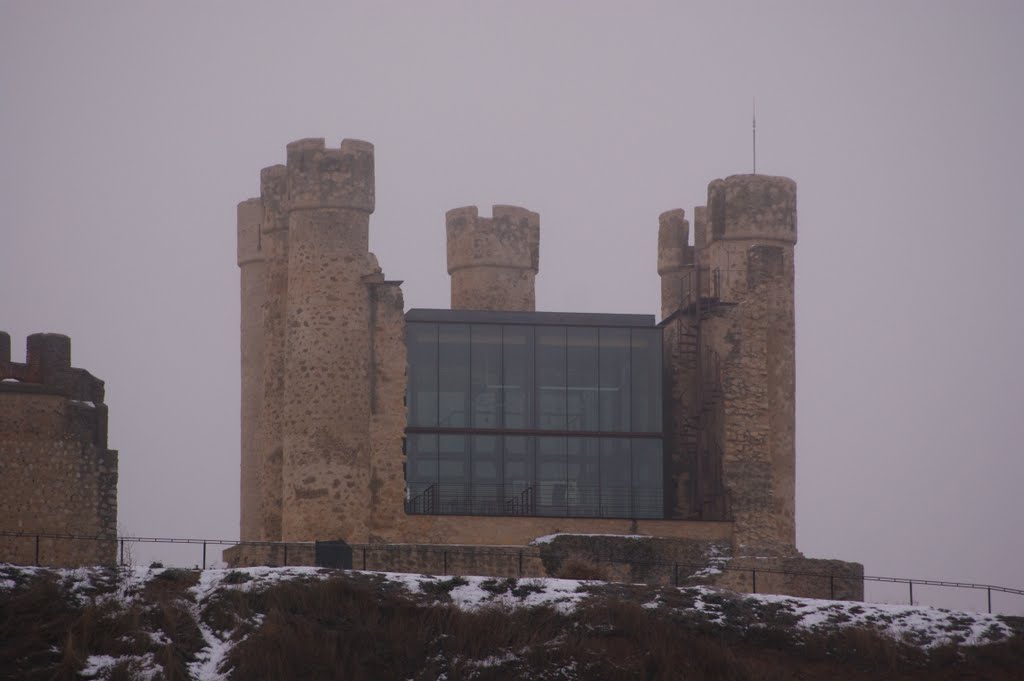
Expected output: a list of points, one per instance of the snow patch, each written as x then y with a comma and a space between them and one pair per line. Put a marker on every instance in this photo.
548, 538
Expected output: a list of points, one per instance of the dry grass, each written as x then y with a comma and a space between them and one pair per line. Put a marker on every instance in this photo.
354, 627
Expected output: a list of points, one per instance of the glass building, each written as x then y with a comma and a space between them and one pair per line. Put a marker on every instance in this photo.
534, 413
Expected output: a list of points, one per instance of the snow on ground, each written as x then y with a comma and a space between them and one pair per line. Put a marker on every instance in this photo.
548, 538
922, 626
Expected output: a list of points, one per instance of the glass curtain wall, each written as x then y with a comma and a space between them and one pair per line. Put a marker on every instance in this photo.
514, 419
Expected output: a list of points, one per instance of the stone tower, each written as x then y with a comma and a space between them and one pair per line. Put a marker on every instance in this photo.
312, 355
251, 264
56, 473
493, 261
729, 354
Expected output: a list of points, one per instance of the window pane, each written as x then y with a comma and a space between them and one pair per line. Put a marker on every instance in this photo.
551, 476
453, 375
421, 473
487, 495
614, 361
517, 382
583, 476
581, 395
646, 381
453, 474
647, 477
615, 478
422, 395
485, 353
551, 378
519, 490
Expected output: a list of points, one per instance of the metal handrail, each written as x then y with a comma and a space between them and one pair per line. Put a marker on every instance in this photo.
531, 552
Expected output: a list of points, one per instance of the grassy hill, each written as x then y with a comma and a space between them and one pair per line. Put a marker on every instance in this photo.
307, 623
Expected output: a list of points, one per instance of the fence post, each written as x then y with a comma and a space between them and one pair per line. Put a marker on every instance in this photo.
521, 574
832, 587
37, 549
204, 555
989, 601
364, 559
445, 555
911, 582
122, 552
753, 579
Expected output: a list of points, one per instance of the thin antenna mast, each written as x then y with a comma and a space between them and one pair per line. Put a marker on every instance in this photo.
754, 129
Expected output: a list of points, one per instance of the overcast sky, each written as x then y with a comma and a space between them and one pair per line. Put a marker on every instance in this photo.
129, 132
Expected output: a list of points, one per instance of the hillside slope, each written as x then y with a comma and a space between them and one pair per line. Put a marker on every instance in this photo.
307, 623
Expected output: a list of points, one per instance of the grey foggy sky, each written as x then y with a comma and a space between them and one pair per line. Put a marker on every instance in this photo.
129, 132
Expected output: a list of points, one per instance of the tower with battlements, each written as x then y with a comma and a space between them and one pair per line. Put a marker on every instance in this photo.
315, 333
729, 349
493, 261
56, 473
488, 424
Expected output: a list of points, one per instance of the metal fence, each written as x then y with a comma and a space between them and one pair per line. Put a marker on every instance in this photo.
442, 558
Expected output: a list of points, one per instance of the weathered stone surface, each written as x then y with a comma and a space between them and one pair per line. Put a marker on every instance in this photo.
56, 474
324, 380
493, 261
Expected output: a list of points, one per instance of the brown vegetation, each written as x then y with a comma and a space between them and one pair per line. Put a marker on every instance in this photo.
360, 626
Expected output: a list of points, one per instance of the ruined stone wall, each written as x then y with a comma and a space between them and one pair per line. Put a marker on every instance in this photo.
493, 261
635, 560
56, 474
520, 530
387, 407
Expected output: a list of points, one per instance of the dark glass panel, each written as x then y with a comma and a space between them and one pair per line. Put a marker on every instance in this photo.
453, 474
552, 489
583, 474
422, 395
614, 366
615, 478
517, 381
551, 378
421, 472
582, 370
485, 375
519, 489
453, 375
647, 478
646, 381
487, 493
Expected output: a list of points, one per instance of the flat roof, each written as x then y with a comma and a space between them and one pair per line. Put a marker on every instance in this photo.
535, 318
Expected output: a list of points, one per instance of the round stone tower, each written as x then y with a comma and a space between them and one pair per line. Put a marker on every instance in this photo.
675, 261
253, 294
326, 408
493, 261
750, 233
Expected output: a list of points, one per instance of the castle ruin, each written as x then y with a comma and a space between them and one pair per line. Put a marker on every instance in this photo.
491, 424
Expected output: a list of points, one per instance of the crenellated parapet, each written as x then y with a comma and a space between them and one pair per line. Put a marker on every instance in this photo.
319, 177
759, 207
56, 473
47, 368
493, 261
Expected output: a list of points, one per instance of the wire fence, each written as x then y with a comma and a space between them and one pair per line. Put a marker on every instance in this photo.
442, 559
